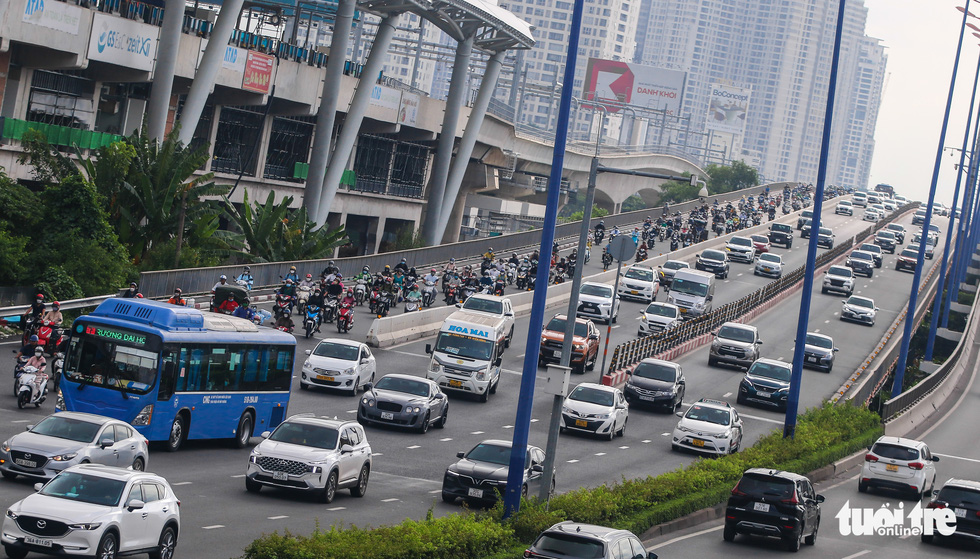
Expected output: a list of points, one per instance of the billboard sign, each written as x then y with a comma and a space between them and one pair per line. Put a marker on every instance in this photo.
59, 16
385, 102
409, 111
258, 72
727, 108
634, 84
123, 42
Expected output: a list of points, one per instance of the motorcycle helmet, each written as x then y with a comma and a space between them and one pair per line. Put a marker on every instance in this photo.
39, 351
350, 291
289, 282
366, 269
490, 249
452, 260
331, 263
339, 276
33, 338
40, 297
404, 260
248, 269
292, 268
222, 278
415, 286
387, 267
433, 271
139, 295
56, 305
309, 277
177, 291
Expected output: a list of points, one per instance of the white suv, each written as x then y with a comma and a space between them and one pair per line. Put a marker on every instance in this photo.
844, 207
838, 278
91, 509
900, 464
312, 454
710, 426
639, 282
598, 301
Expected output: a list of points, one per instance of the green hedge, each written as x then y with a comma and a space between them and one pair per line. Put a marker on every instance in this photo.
823, 436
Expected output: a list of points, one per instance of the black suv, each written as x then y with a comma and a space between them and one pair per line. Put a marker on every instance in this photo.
781, 234
886, 240
963, 497
776, 504
804, 217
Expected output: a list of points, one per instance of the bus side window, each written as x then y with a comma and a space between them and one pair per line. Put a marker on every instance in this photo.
168, 374
280, 369
193, 364
250, 373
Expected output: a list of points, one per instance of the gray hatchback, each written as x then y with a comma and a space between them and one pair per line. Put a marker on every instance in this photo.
574, 540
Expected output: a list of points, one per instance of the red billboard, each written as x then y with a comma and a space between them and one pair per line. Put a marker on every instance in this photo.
258, 72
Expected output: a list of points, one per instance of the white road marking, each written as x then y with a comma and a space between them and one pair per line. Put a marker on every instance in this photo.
239, 475
334, 509
858, 554
738, 275
376, 454
616, 326
827, 321
663, 435
727, 394
411, 354
212, 527
817, 331
447, 439
390, 500
646, 441
765, 419
508, 427
351, 411
623, 447
534, 420
957, 457
572, 461
413, 447
279, 517
20, 421
182, 483
436, 491
685, 537
477, 433
780, 358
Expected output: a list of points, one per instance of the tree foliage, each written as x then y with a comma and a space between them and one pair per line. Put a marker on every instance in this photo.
721, 179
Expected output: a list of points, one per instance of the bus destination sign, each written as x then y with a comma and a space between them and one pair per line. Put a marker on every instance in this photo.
115, 335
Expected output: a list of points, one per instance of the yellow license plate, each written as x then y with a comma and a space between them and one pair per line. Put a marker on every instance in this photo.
455, 383
683, 310
581, 423
697, 442
324, 377
891, 467
633, 292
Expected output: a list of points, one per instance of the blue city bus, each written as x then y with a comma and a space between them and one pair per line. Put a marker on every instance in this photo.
176, 373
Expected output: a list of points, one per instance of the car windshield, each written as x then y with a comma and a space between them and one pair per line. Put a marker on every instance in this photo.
86, 488
459, 345
807, 213
334, 350
484, 305
840, 271
713, 255
675, 265
871, 248
858, 255
641, 274
591, 395
688, 287
558, 325
737, 334
861, 302
710, 415
304, 434
569, 545
819, 341
845, 202
895, 227
408, 386
661, 310
656, 371
886, 235
597, 290
766, 486
909, 253
741, 241
895, 451
825, 231
959, 496
760, 239
782, 228
767, 257
67, 428
767, 370
492, 453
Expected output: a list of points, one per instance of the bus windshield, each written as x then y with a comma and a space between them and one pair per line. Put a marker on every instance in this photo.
464, 346
97, 361
688, 287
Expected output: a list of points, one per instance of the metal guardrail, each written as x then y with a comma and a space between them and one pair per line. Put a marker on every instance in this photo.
65, 305
631, 352
200, 280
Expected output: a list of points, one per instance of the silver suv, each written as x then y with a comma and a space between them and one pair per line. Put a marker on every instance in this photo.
312, 454
840, 279
573, 540
734, 343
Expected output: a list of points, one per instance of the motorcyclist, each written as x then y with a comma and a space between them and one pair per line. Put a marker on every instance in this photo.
331, 270
28, 349
414, 293
486, 280
306, 282
132, 291
288, 288
335, 288
489, 254
229, 305
364, 276
348, 298
513, 259
387, 272
292, 275
244, 311
451, 267
285, 321
403, 266
432, 276
176, 298
37, 307
223, 280
37, 360
561, 266
53, 317
246, 278
601, 227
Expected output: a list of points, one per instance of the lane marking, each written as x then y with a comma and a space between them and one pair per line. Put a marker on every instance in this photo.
477, 433
212, 527
727, 394
534, 420
663, 435
280, 517
376, 454
508, 427
687, 537
413, 447
334, 509
817, 331
239, 475
435, 491
623, 447
447, 439
766, 419
182, 483
957, 457
858, 554
600, 453
572, 461
351, 411
20, 421
646, 441
393, 499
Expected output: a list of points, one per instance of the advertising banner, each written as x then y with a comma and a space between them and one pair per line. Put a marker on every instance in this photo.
409, 111
388, 100
59, 16
123, 42
258, 72
727, 108
634, 84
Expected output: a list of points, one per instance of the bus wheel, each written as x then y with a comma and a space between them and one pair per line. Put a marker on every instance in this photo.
244, 432
178, 434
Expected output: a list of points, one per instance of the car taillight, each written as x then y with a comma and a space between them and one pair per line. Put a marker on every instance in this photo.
528, 554
792, 500
870, 458
735, 490
939, 505
916, 465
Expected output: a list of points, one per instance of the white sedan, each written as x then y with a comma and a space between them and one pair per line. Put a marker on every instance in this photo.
339, 364
596, 409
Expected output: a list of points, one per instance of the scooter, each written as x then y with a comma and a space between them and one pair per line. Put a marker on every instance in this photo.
429, 293
360, 291
413, 304
282, 305
383, 305
19, 370
302, 296
468, 291
607, 259
452, 294
498, 286
330, 309
345, 318
511, 273
56, 369
32, 387
311, 320
522, 279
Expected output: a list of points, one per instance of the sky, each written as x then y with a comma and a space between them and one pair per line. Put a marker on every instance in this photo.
920, 37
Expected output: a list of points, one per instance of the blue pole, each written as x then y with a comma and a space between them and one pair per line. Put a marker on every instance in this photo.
793, 400
903, 355
968, 223
522, 424
938, 299
966, 211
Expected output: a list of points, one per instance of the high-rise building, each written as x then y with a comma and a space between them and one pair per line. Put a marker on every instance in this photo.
780, 51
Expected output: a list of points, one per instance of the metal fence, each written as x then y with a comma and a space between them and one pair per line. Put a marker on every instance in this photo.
629, 353
200, 280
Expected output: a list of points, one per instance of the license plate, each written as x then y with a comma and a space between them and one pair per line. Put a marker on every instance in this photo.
279, 476
558, 354
324, 377
891, 467
31, 540
697, 442
581, 423
25, 463
476, 493
762, 394
812, 359
455, 383
761, 507
960, 513
387, 415
683, 310
648, 398
633, 292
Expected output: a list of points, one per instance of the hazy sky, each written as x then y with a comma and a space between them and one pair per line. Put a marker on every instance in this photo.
920, 39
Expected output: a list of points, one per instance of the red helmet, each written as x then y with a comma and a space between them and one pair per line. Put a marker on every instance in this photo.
40, 296
139, 295
56, 304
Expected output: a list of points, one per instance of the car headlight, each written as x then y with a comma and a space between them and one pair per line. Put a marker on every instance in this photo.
144, 416
782, 390
579, 347
602, 416
451, 473
59, 404
683, 429
11, 514
349, 371
307, 365
65, 457
566, 409
434, 367
699, 305
5, 446
368, 401
254, 457
85, 526
481, 375
605, 304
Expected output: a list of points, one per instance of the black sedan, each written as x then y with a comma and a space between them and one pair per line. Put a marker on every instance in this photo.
404, 401
714, 261
886, 240
656, 383
480, 475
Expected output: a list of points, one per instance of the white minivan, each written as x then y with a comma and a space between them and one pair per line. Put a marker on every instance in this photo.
693, 292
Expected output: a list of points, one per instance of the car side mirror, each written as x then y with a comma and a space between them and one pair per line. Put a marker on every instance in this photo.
679, 414
537, 468
39, 486
935, 492
877, 309
709, 298
594, 336
836, 349
105, 443
308, 352
29, 427
459, 305
346, 449
651, 555
819, 498
714, 334
498, 361
509, 314
758, 342
935, 459
843, 300
428, 349
135, 504
440, 396
460, 454
265, 434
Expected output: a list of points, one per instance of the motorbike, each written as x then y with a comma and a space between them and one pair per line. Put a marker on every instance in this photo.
56, 369
30, 328
330, 309
607, 259
373, 300
311, 319
302, 296
360, 291
282, 305
452, 294
468, 291
511, 273
498, 286
522, 278
44, 332
674, 244
383, 305
429, 293
345, 318
32, 387
18, 370
413, 303
641, 255
247, 285
598, 235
